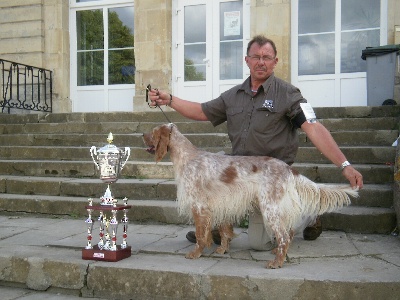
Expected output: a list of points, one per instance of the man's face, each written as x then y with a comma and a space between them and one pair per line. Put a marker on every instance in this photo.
261, 61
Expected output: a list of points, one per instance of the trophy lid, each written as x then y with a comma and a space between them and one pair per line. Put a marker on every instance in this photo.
110, 148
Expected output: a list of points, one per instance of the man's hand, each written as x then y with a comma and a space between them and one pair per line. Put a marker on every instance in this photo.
353, 176
157, 97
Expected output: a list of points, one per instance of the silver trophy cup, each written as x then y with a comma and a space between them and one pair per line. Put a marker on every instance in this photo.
110, 160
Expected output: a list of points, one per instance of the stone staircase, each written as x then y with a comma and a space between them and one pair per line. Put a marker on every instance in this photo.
46, 168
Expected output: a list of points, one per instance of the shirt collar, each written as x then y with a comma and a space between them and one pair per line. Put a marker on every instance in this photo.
246, 85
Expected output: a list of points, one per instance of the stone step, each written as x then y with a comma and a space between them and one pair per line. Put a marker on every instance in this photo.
318, 172
355, 154
185, 126
366, 112
204, 139
44, 254
372, 195
349, 219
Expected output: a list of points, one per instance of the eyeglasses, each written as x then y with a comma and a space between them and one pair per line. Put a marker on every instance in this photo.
259, 58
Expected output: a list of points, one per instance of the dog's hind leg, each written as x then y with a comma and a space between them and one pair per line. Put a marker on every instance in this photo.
226, 232
283, 238
202, 221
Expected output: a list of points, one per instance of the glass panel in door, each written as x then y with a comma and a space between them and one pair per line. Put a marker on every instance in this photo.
231, 40
360, 29
195, 43
90, 44
121, 56
316, 40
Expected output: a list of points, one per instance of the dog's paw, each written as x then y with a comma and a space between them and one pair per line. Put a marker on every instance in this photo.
193, 254
274, 264
221, 250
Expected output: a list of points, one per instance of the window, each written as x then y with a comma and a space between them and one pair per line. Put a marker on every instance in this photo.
102, 55
320, 25
105, 52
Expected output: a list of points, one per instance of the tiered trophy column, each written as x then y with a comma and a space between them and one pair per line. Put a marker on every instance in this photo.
109, 160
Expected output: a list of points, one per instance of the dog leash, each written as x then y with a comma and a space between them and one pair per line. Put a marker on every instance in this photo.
148, 88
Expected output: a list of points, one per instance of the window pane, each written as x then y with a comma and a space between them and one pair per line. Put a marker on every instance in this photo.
195, 24
195, 43
231, 21
360, 14
231, 40
195, 67
351, 47
316, 16
121, 67
120, 27
89, 28
317, 54
90, 68
231, 60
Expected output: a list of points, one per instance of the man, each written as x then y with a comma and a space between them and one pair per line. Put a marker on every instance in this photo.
263, 115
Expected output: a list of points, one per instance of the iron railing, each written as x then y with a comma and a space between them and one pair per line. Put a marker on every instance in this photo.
25, 87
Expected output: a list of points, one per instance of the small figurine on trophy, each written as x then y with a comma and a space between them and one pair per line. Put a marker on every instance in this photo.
109, 160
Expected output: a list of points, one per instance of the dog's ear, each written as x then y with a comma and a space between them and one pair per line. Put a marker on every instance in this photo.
161, 137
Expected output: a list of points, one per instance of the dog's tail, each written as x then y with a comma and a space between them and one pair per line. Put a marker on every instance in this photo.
318, 199
333, 197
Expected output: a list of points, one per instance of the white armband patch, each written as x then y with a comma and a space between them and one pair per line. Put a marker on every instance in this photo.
308, 112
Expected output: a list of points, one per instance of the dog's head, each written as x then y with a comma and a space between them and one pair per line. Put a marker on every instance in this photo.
157, 141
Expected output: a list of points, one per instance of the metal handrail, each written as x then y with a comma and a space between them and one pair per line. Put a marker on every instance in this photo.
25, 87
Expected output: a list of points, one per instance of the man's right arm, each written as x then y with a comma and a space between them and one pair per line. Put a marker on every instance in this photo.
188, 109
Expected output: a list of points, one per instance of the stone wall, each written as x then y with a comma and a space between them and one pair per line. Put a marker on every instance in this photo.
35, 32
396, 185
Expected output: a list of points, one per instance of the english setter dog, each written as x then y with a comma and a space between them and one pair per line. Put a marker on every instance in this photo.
219, 190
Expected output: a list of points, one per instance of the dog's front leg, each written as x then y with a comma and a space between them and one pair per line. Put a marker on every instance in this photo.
226, 233
202, 221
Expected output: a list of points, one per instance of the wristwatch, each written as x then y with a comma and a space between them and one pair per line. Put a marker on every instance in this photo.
344, 165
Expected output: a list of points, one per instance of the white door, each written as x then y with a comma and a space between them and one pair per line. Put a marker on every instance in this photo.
328, 37
102, 55
208, 47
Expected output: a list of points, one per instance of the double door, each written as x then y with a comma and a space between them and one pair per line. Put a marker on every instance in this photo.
208, 47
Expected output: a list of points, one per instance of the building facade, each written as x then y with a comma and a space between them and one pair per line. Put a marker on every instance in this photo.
103, 53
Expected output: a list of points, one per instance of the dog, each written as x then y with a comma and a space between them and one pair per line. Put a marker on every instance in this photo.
220, 190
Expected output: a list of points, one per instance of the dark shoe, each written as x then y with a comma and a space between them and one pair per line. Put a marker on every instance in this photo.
191, 236
311, 233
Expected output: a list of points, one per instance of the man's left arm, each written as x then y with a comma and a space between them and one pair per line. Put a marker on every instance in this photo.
324, 142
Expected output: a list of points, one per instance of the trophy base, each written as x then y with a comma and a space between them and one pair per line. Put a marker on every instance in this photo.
106, 255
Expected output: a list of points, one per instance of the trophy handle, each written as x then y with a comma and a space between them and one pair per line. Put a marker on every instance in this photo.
93, 152
127, 153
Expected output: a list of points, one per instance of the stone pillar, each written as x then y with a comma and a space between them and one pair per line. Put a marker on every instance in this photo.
153, 39
56, 54
396, 185
397, 74
272, 19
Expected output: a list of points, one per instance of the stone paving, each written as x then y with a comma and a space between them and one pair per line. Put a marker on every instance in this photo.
44, 254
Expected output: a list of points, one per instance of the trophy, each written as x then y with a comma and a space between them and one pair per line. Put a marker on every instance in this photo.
110, 160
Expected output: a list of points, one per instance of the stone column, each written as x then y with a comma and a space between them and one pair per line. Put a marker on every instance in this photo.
153, 34
396, 185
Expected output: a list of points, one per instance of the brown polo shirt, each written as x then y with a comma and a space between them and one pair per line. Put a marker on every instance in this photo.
259, 124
